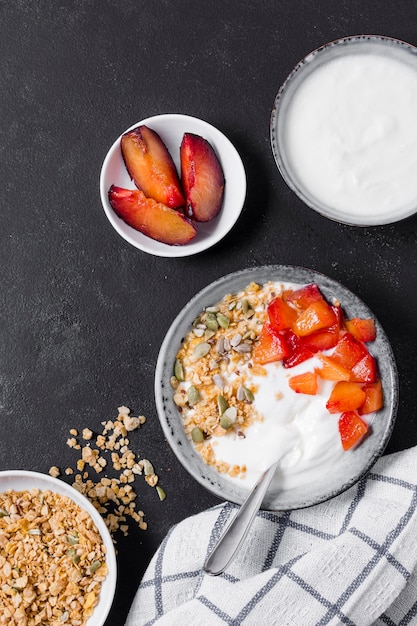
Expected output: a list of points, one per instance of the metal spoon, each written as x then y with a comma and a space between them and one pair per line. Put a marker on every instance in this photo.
235, 533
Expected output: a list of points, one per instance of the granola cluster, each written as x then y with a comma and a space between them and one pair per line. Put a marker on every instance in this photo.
113, 497
52, 560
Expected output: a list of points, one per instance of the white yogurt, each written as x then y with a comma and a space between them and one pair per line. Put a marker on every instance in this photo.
351, 135
297, 429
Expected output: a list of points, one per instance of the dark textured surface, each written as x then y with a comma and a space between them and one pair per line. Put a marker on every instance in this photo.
82, 313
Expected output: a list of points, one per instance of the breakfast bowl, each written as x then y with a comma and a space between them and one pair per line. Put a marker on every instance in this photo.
171, 129
319, 466
343, 130
64, 547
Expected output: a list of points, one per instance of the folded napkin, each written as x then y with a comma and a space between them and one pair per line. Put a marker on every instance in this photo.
351, 560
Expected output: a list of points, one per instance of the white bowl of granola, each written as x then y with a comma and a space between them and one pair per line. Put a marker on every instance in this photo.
227, 419
63, 562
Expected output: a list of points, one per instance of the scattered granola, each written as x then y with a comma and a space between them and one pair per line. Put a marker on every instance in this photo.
52, 560
114, 498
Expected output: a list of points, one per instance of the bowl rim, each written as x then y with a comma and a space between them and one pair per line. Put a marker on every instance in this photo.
45, 482
209, 233
315, 57
167, 413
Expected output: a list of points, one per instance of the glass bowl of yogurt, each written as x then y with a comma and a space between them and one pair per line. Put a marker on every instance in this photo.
344, 131
275, 421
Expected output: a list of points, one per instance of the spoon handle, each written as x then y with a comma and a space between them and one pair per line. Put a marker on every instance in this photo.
234, 534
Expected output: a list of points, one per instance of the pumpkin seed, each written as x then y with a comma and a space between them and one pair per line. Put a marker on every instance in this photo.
197, 435
223, 320
245, 305
248, 394
225, 422
208, 334
179, 370
161, 493
201, 350
231, 414
3, 513
94, 566
249, 313
193, 395
73, 541
211, 321
148, 467
222, 404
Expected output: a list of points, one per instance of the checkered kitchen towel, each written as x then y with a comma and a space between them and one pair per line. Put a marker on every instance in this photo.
352, 560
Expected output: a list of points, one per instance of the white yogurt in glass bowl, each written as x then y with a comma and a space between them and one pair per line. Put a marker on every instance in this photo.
344, 130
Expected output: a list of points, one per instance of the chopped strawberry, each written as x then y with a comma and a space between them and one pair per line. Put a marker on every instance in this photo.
351, 428
280, 314
305, 296
374, 399
304, 383
331, 370
270, 347
362, 329
346, 396
316, 316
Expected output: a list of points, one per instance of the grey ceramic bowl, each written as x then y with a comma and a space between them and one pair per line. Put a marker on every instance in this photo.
353, 466
354, 45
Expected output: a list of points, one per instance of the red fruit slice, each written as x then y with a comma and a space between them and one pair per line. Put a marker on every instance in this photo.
351, 428
297, 351
270, 347
280, 314
321, 340
305, 296
362, 329
151, 218
202, 178
304, 383
374, 399
346, 396
151, 166
316, 316
349, 351
331, 370
364, 371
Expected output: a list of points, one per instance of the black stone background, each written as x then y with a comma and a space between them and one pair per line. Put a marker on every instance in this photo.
82, 312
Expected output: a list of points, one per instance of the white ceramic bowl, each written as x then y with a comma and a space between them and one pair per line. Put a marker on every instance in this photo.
351, 468
21, 480
171, 128
315, 191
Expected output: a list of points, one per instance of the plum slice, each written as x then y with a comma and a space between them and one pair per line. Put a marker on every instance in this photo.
202, 178
151, 167
152, 218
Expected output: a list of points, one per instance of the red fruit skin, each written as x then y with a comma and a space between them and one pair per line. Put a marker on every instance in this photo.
280, 314
270, 347
365, 370
345, 396
151, 166
351, 428
298, 352
202, 178
317, 316
362, 329
151, 218
349, 351
304, 296
374, 398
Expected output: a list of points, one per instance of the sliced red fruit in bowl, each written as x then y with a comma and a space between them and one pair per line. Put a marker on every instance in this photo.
374, 398
316, 316
151, 166
281, 315
202, 178
351, 428
345, 396
304, 383
304, 296
270, 347
362, 329
152, 218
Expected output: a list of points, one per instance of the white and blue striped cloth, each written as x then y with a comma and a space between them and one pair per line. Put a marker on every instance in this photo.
352, 560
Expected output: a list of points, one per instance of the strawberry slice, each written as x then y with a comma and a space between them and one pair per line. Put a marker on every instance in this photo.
351, 428
362, 329
304, 383
374, 399
270, 347
345, 396
151, 218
